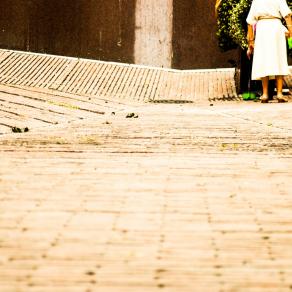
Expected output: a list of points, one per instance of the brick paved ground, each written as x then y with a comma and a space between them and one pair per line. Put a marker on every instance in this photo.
183, 197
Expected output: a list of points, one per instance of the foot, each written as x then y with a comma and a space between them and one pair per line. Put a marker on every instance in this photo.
264, 98
282, 98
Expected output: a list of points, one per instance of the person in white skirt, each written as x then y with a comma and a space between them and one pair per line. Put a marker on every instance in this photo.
267, 41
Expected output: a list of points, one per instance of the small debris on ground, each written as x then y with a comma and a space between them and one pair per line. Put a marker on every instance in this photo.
132, 115
19, 130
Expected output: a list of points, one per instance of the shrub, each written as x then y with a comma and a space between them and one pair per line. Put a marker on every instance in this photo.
238, 25
224, 13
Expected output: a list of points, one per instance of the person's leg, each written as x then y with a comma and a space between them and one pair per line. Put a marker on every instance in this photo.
280, 96
265, 84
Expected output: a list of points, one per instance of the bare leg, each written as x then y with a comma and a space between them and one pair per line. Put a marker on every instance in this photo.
279, 80
265, 83
280, 96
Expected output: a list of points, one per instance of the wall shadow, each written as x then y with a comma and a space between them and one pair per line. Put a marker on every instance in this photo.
13, 24
95, 29
195, 43
108, 30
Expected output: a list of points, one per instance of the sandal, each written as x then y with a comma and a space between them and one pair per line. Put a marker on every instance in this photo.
281, 98
264, 98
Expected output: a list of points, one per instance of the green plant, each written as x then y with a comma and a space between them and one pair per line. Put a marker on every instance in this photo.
238, 26
224, 13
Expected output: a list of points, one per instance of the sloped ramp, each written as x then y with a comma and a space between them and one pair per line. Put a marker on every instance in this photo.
113, 80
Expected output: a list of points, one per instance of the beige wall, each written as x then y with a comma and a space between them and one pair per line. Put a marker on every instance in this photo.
153, 33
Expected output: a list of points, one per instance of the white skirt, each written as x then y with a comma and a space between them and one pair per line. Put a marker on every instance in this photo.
270, 51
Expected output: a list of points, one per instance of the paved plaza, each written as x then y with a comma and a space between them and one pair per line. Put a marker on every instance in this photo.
112, 194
